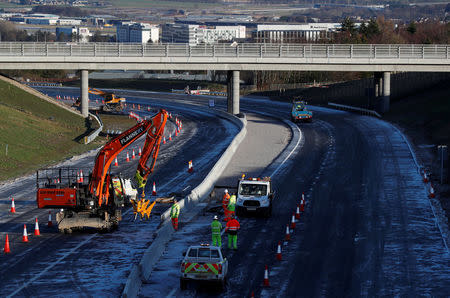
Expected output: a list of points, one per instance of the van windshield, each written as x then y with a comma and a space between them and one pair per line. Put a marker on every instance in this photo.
253, 189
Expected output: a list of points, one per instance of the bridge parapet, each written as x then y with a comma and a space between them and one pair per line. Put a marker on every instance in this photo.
243, 50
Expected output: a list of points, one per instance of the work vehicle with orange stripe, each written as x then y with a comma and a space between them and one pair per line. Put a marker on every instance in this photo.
203, 263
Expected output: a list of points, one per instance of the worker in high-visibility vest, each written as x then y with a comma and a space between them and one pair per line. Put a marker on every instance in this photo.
232, 228
231, 208
174, 213
225, 200
216, 228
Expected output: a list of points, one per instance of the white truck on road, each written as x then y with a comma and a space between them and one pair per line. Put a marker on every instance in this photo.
254, 195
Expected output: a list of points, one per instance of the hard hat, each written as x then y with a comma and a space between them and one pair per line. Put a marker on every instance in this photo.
225, 191
215, 217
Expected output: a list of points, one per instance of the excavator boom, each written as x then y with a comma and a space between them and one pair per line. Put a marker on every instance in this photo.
154, 128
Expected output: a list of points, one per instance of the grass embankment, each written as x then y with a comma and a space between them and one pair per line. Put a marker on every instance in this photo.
37, 132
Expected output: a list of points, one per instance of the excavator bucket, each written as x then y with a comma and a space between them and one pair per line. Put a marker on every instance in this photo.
143, 208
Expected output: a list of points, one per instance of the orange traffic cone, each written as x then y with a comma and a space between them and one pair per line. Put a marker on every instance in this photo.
164, 139
140, 151
13, 206
190, 167
176, 131
293, 221
36, 228
266, 277
288, 235
50, 223
7, 250
425, 177
133, 156
297, 212
431, 195
180, 125
302, 203
279, 251
81, 176
128, 157
25, 234
252, 295
116, 163
78, 176
139, 107
154, 189
170, 137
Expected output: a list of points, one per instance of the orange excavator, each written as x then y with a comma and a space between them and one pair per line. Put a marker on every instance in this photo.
112, 103
98, 203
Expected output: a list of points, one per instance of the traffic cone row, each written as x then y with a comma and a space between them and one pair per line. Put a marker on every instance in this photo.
7, 248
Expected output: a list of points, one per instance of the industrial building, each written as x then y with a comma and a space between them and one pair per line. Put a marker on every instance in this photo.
137, 32
291, 33
78, 34
201, 34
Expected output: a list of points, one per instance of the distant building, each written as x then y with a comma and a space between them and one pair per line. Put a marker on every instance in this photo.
288, 33
137, 32
68, 22
201, 34
78, 34
41, 19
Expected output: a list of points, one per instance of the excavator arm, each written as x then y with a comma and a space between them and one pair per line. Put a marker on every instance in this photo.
154, 128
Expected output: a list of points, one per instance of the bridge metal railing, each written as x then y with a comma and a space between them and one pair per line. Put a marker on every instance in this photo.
248, 50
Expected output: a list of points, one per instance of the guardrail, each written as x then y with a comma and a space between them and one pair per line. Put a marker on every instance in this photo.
355, 109
344, 51
92, 136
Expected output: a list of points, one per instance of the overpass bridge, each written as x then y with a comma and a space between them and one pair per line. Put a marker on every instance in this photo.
380, 59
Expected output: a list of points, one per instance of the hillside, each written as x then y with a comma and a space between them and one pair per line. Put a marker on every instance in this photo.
37, 132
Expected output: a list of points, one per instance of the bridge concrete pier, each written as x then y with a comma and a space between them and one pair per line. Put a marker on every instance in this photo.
382, 90
386, 98
84, 91
233, 87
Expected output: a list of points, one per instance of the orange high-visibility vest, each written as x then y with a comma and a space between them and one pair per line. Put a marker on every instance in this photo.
226, 199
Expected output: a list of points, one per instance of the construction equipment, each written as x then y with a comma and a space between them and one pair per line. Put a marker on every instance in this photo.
112, 103
98, 203
299, 111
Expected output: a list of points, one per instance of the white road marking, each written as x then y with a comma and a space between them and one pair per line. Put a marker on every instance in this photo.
290, 153
172, 292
